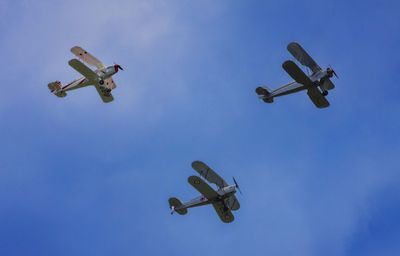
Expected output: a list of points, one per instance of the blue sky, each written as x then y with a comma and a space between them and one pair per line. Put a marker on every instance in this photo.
79, 177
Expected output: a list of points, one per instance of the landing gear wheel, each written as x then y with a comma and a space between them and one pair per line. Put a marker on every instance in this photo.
101, 82
325, 93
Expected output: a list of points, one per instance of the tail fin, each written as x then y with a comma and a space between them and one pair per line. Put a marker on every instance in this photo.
56, 89
265, 94
175, 204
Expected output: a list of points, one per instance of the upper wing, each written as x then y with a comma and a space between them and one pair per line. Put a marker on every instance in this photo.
296, 73
109, 82
208, 174
302, 56
84, 70
87, 57
224, 214
202, 187
317, 98
232, 203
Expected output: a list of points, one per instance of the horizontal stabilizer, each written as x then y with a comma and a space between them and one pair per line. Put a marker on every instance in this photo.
56, 89
174, 204
264, 93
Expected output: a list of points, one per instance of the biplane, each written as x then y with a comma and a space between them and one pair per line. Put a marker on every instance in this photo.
317, 84
223, 199
100, 78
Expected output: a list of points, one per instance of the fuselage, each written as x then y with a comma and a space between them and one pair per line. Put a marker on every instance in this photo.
107, 72
223, 193
319, 79
103, 74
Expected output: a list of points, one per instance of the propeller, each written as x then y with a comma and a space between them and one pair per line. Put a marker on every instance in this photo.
237, 185
332, 71
116, 66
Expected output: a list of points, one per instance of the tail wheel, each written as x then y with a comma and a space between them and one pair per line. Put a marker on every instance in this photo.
101, 82
325, 93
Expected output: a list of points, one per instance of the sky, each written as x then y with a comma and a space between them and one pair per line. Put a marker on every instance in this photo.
80, 177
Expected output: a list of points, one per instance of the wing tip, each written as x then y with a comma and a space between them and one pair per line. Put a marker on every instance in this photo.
293, 44
228, 219
323, 106
288, 62
107, 100
198, 164
73, 62
76, 47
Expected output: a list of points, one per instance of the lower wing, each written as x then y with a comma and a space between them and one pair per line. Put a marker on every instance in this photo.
317, 98
232, 203
83, 69
109, 83
202, 187
328, 85
296, 73
105, 93
223, 212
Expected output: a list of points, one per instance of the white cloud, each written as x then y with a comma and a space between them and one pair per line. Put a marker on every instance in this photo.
137, 34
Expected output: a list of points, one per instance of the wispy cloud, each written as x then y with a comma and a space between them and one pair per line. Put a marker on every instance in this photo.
98, 175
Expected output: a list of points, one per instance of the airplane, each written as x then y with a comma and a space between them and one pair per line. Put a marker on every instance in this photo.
101, 77
223, 199
317, 84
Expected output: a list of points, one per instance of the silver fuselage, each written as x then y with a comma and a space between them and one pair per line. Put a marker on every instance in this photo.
83, 81
223, 193
319, 79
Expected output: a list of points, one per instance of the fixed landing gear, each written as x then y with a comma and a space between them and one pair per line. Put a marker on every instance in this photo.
325, 93
107, 92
